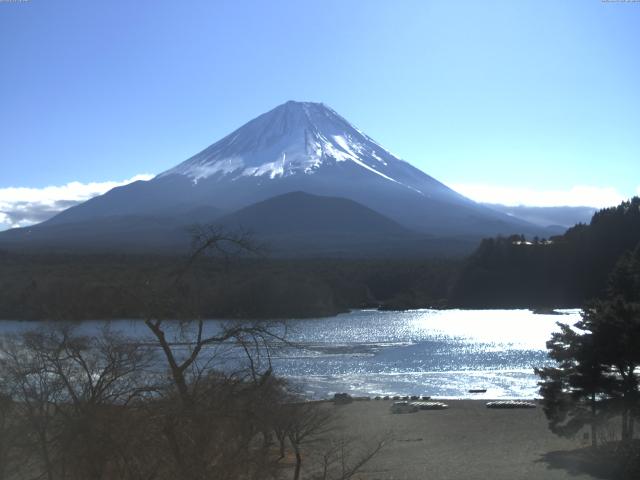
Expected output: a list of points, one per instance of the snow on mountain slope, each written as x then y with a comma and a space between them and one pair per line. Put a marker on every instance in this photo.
292, 139
301, 147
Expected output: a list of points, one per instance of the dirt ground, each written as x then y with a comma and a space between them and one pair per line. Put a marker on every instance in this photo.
466, 441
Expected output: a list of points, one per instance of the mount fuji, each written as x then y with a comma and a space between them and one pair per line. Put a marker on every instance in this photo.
296, 147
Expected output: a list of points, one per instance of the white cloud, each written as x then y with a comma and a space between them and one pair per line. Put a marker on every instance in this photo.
577, 196
22, 206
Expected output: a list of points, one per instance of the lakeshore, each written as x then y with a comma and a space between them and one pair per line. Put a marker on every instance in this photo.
465, 441
439, 353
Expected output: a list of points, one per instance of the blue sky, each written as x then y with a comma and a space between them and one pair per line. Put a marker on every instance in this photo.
501, 97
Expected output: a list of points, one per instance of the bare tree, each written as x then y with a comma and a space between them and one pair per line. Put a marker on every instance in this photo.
71, 392
220, 375
307, 423
6, 432
345, 457
313, 431
197, 401
190, 336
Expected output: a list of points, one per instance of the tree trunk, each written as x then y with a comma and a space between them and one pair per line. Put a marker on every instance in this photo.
296, 473
3, 454
177, 371
174, 445
594, 432
45, 454
625, 424
282, 438
267, 439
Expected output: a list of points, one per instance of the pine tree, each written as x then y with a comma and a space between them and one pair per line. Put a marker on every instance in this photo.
598, 358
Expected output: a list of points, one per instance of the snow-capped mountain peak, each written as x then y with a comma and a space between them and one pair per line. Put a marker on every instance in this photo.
293, 138
296, 147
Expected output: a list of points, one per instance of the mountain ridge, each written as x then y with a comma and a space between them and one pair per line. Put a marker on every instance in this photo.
299, 147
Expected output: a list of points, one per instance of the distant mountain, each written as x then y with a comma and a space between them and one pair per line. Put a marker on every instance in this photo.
131, 233
559, 217
294, 224
118, 233
302, 213
296, 147
301, 224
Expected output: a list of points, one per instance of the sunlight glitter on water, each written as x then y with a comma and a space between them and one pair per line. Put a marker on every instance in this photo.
442, 353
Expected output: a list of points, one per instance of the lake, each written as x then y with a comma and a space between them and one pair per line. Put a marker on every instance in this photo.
442, 353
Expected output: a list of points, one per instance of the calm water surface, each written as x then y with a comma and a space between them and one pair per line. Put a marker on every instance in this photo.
442, 353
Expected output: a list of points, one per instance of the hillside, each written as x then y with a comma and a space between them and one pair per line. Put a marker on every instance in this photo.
566, 270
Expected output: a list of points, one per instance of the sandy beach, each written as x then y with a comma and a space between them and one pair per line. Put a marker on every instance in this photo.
465, 441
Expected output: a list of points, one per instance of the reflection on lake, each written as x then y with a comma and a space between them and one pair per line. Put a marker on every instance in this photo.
442, 353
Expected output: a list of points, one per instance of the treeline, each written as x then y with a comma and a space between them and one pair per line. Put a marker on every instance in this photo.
563, 271
75, 287
504, 272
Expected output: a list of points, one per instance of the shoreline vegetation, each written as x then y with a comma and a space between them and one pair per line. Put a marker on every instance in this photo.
504, 273
77, 287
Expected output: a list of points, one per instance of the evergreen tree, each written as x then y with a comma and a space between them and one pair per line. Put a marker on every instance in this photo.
615, 326
573, 391
597, 360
